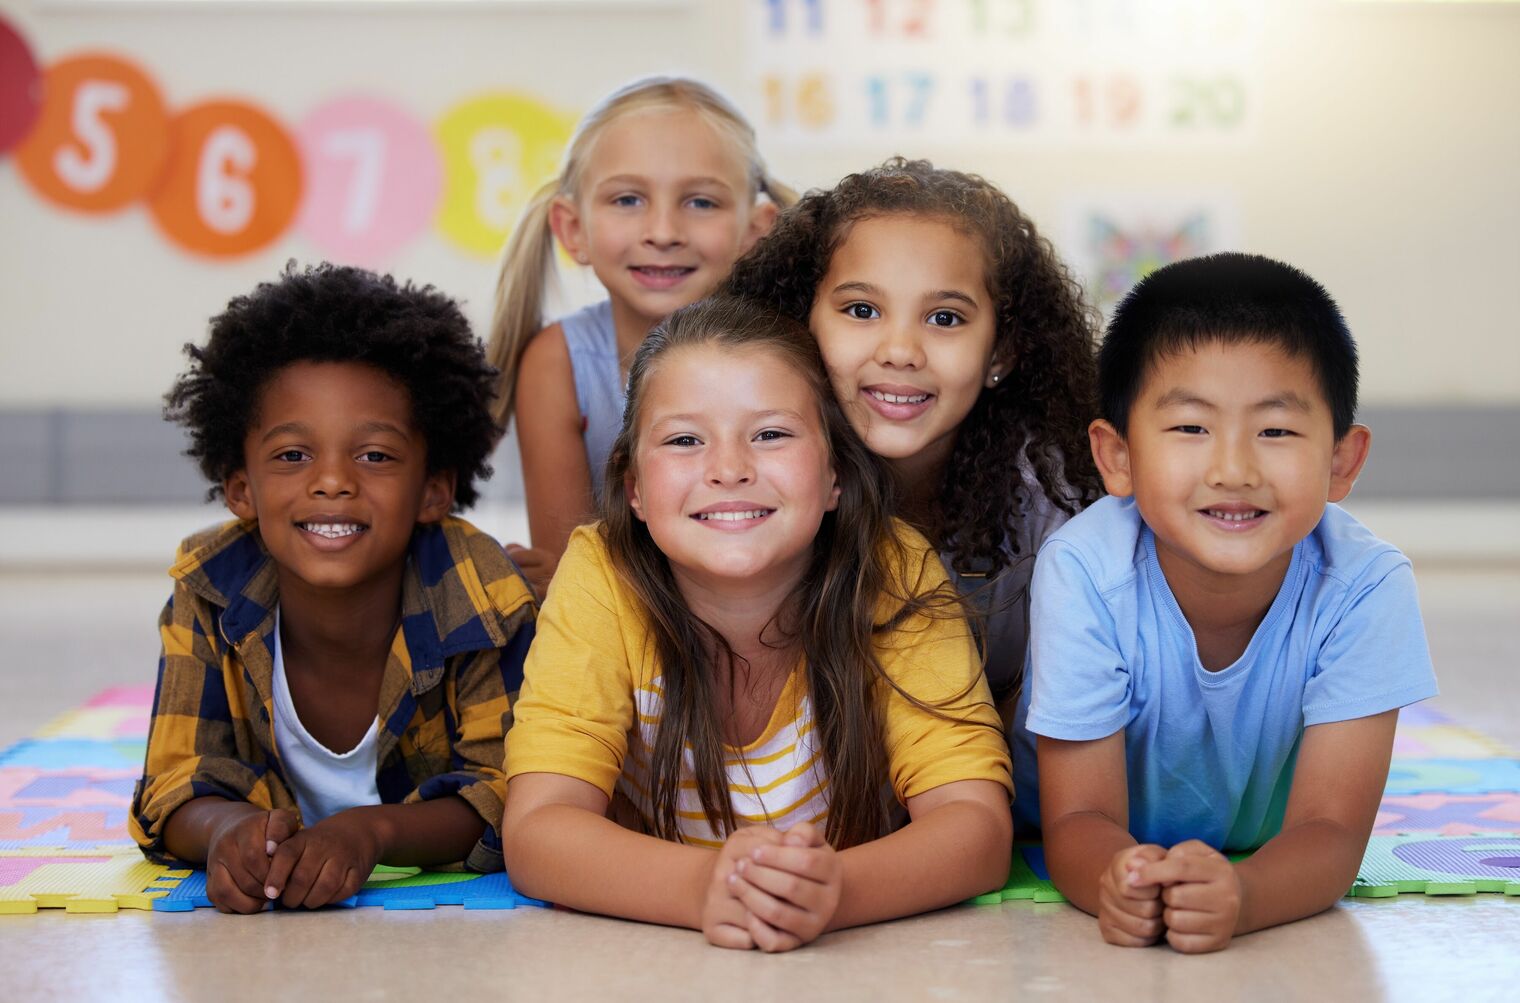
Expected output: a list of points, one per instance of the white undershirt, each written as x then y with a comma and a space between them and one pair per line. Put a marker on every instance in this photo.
324, 782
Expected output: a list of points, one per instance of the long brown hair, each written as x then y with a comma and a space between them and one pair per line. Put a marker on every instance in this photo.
1037, 417
527, 262
857, 560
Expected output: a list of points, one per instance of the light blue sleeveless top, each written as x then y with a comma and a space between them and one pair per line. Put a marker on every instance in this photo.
599, 388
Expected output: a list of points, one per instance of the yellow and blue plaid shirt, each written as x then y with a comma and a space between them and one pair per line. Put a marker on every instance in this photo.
467, 618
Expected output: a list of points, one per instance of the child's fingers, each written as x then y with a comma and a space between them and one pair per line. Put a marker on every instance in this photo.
781, 915
1177, 868
325, 886
1196, 943
278, 827
1137, 918
284, 861
804, 834
302, 877
784, 885
1193, 848
1124, 930
728, 935
232, 893
805, 862
770, 939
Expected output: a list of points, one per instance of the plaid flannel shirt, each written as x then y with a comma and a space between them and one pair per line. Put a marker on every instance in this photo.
467, 618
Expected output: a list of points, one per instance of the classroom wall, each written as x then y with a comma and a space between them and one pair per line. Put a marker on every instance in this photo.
1380, 154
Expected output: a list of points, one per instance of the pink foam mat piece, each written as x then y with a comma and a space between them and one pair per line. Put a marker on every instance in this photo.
124, 696
1448, 814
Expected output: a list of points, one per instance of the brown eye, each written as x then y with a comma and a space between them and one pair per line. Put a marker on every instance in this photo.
862, 311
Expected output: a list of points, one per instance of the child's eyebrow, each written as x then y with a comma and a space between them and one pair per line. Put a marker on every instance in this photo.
288, 428
694, 419
383, 426
1182, 397
951, 294
1287, 400
300, 429
619, 180
858, 287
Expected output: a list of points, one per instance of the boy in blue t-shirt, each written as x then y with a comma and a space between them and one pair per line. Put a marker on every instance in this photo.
1218, 655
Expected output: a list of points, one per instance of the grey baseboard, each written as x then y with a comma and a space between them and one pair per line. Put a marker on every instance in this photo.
133, 457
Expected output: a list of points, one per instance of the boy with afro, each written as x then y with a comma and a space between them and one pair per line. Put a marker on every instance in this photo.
333, 689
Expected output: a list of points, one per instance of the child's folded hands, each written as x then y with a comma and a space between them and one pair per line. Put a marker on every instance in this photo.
791, 887
323, 864
1201, 892
238, 858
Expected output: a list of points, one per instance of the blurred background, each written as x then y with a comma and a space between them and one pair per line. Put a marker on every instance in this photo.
158, 157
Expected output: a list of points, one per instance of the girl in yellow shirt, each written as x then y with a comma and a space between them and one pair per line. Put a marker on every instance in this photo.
750, 665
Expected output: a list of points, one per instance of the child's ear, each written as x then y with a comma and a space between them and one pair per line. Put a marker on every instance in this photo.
631, 490
437, 496
834, 492
1111, 454
565, 221
238, 495
761, 218
1347, 460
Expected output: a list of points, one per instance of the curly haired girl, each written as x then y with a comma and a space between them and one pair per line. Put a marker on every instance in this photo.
962, 352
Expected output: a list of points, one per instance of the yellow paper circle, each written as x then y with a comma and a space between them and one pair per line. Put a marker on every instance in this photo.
498, 149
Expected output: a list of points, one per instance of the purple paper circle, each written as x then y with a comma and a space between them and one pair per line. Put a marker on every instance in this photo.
373, 178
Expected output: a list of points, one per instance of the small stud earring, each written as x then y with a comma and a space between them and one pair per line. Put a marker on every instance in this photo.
995, 378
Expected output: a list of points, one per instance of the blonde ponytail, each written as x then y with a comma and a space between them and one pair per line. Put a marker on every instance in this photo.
518, 312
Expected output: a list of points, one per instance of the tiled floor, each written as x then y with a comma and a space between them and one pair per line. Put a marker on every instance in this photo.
65, 637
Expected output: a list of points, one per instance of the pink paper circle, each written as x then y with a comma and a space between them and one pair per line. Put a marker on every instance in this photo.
20, 87
372, 178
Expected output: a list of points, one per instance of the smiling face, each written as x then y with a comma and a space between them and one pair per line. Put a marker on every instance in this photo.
661, 231
907, 328
1231, 456
336, 475
732, 473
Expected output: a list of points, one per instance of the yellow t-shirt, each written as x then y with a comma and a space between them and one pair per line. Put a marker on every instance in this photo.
591, 701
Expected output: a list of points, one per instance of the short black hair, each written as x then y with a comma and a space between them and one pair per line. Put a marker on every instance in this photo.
332, 313
1230, 298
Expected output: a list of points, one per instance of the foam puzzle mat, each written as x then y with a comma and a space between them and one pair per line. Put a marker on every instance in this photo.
64, 797
1449, 824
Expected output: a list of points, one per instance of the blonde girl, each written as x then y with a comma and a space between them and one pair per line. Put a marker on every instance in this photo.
662, 189
758, 663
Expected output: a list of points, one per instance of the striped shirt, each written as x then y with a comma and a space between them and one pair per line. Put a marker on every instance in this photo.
467, 619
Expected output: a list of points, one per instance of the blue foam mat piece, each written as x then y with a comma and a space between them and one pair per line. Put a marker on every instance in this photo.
484, 891
76, 753
1453, 776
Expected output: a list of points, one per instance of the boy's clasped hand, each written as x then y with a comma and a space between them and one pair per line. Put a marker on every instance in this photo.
1189, 894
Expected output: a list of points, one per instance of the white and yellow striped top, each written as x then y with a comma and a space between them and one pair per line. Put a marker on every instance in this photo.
591, 703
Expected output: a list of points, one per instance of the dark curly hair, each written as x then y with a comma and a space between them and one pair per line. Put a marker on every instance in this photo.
1041, 410
332, 313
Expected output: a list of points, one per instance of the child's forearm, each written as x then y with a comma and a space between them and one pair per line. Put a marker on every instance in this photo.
190, 829
422, 834
1079, 847
947, 855
573, 857
1302, 871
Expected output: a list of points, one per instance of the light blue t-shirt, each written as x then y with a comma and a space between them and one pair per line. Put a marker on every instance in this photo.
1210, 755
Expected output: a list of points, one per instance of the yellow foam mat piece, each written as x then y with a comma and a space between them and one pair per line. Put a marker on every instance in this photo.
1449, 741
106, 880
106, 724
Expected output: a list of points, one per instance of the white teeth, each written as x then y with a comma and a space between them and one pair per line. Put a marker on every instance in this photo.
899, 398
1233, 516
332, 530
733, 516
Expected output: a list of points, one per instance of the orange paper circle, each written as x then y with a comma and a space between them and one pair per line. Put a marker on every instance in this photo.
101, 138
233, 180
